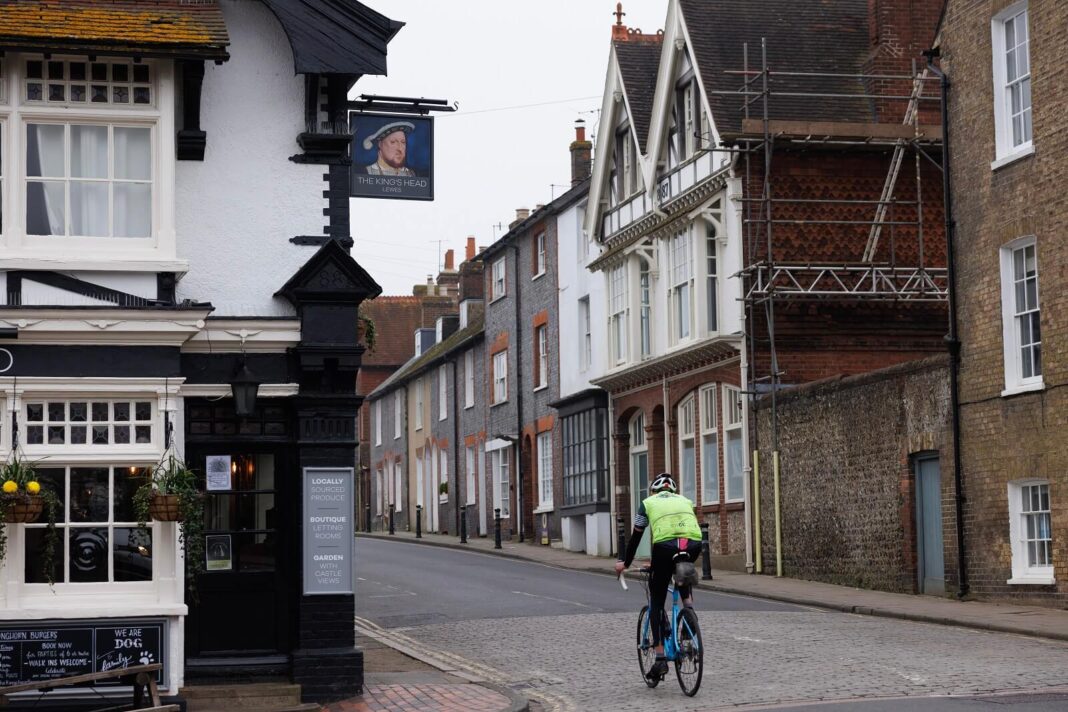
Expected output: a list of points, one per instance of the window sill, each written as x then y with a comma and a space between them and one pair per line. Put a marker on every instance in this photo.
539, 275
544, 509
498, 298
1032, 581
1027, 388
494, 405
469, 406
1012, 157
540, 388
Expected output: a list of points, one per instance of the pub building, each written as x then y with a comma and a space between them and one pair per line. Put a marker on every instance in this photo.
175, 233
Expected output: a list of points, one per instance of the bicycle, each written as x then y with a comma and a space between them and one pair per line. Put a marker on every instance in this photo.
682, 639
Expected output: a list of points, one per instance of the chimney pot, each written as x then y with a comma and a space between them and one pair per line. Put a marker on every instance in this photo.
449, 261
581, 154
522, 213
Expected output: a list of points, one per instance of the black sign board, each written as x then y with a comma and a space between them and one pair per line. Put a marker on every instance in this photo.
48, 649
392, 156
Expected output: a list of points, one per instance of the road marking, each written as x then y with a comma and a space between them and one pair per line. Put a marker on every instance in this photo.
550, 598
393, 595
747, 639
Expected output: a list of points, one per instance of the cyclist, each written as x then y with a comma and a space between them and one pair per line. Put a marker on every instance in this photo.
676, 536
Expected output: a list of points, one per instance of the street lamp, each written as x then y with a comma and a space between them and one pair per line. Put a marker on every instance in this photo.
244, 386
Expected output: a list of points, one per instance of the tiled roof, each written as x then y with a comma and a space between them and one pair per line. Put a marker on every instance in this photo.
150, 27
802, 36
420, 363
638, 60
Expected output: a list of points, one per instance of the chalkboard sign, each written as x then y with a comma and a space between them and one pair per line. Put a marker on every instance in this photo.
328, 530
48, 650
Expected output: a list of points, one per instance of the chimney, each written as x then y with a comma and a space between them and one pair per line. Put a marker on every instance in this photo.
470, 253
581, 151
450, 265
521, 214
898, 32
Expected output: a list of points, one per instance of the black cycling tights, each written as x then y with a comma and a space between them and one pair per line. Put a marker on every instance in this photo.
663, 562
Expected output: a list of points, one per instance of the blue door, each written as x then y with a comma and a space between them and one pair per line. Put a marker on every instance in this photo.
930, 562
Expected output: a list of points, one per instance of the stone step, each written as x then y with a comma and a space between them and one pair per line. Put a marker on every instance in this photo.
265, 696
303, 707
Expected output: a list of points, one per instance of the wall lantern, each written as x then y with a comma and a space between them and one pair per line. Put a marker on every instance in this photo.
244, 386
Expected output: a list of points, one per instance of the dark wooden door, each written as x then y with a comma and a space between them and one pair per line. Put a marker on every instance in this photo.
245, 604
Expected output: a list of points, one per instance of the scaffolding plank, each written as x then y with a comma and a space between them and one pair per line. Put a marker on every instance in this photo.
839, 129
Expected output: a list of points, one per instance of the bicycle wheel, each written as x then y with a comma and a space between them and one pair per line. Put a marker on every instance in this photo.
689, 660
646, 650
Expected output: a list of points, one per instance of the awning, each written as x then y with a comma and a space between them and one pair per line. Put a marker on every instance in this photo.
148, 28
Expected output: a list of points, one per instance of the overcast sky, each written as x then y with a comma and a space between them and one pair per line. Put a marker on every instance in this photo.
491, 56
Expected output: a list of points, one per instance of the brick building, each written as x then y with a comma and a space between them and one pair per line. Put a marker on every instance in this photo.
685, 232
1005, 62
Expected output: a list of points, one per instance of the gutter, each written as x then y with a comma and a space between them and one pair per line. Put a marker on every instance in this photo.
952, 338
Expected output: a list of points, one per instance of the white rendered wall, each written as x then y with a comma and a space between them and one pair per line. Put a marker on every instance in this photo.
576, 282
237, 209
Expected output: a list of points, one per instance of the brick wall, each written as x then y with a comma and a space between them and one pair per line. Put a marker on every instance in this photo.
846, 475
1022, 436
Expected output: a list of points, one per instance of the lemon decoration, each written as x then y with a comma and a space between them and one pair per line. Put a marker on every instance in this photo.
10, 487
33, 487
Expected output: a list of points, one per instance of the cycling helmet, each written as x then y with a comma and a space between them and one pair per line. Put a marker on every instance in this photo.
663, 482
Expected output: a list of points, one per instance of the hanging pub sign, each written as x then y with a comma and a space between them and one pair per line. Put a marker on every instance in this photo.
392, 156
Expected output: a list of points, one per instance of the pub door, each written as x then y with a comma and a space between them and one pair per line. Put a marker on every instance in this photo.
243, 617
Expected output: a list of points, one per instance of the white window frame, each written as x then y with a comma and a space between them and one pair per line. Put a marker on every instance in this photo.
500, 377
470, 463
419, 404
1015, 382
681, 287
380, 480
78, 451
443, 478
398, 407
1006, 149
398, 486
617, 320
687, 411
1023, 572
541, 342
582, 242
498, 280
469, 378
712, 323
544, 443
155, 253
709, 444
733, 420
540, 255
377, 415
499, 464
421, 473
443, 392
645, 309
585, 344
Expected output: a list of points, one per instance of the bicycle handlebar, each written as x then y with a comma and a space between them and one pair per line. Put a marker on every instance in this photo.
622, 581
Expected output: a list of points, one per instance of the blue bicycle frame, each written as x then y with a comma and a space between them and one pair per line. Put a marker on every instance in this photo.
667, 637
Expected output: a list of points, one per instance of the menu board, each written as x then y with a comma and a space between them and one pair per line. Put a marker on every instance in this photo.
47, 650
328, 530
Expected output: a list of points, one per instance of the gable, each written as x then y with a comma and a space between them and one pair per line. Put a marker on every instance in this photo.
330, 275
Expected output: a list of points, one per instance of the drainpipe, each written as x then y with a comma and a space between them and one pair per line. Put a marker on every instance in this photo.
455, 487
952, 338
610, 463
518, 402
667, 435
747, 471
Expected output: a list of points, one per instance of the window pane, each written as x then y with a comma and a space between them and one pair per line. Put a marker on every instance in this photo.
35, 557
54, 478
44, 151
88, 555
133, 156
127, 480
689, 474
89, 209
89, 151
255, 552
57, 412
132, 554
100, 412
133, 210
735, 476
45, 214
709, 469
79, 412
89, 494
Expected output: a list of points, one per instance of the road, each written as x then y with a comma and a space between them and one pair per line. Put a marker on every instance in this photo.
566, 638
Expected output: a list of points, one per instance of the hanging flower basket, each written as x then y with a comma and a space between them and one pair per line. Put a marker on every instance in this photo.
23, 509
165, 508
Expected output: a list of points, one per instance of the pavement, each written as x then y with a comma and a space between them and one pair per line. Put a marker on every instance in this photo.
1004, 618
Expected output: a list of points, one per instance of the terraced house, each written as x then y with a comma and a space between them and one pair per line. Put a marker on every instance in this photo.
162, 252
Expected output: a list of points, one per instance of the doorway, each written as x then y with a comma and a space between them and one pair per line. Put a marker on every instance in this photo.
930, 561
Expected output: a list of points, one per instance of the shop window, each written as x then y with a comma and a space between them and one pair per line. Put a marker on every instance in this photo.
88, 422
100, 540
240, 523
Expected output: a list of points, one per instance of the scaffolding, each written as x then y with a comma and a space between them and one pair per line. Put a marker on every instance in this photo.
887, 267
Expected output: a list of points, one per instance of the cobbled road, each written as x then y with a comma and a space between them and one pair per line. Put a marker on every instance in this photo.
567, 639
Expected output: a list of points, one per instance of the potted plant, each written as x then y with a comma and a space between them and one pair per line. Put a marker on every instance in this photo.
22, 499
171, 494
365, 330
443, 491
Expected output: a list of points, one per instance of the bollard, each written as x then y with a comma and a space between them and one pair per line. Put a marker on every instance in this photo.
418, 521
497, 528
621, 538
706, 557
367, 517
391, 530
463, 523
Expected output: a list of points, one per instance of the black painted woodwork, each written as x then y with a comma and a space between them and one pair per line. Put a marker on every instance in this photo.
166, 284
191, 140
335, 36
96, 361
72, 284
219, 368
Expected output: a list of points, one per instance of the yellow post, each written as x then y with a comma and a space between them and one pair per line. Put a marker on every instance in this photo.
778, 515
756, 512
